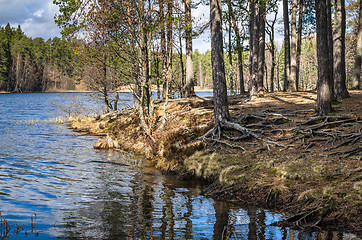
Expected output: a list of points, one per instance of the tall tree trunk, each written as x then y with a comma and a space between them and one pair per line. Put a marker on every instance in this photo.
278, 73
251, 40
135, 68
169, 44
339, 49
165, 93
299, 41
201, 75
157, 71
189, 62
183, 86
330, 44
105, 85
163, 45
254, 35
286, 46
146, 97
324, 91
293, 84
271, 34
163, 49
261, 54
221, 109
230, 52
356, 82
239, 47
240, 66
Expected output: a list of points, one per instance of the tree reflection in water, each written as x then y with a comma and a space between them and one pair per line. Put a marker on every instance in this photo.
147, 205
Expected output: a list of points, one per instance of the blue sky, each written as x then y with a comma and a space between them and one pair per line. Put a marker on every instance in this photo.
34, 16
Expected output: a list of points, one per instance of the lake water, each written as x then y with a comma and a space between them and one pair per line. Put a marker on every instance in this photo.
54, 185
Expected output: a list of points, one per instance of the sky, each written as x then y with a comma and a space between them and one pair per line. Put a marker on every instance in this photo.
36, 18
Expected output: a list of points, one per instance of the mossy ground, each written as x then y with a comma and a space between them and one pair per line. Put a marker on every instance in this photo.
305, 176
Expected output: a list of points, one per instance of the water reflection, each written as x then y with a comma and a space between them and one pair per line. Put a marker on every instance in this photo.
158, 207
79, 193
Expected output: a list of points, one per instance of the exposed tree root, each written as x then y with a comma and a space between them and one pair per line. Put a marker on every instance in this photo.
316, 131
247, 133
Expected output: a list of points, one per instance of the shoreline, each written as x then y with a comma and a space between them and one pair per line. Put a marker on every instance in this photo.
124, 89
302, 177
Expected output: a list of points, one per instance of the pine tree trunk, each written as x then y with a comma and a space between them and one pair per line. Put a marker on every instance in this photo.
189, 62
239, 48
230, 53
286, 46
293, 49
221, 110
169, 45
135, 67
330, 44
324, 91
261, 54
183, 87
254, 35
356, 82
105, 85
271, 34
163, 47
251, 40
339, 49
299, 41
201, 75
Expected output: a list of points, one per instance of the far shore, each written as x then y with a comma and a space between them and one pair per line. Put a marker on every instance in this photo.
124, 89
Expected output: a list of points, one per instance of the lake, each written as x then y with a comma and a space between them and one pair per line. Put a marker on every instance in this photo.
54, 185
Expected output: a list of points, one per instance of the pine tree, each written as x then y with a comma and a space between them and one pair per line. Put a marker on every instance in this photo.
324, 90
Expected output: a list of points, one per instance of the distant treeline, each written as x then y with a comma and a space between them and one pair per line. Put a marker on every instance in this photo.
34, 65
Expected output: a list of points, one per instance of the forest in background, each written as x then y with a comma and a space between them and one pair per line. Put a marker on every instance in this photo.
34, 65
59, 64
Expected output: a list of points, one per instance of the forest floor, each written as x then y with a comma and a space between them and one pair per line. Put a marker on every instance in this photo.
289, 160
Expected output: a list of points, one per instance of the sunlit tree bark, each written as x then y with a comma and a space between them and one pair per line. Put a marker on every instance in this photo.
287, 69
239, 47
339, 47
261, 42
324, 91
221, 109
189, 88
299, 42
293, 48
356, 82
254, 49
